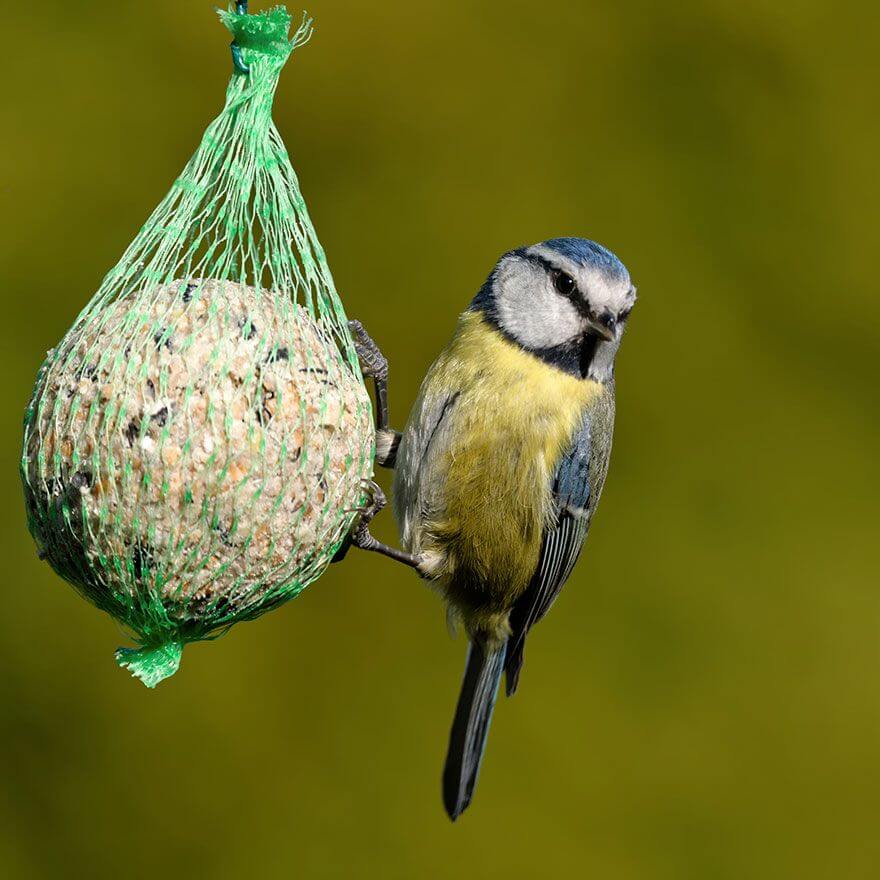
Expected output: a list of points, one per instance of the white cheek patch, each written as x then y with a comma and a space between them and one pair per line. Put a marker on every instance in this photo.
531, 311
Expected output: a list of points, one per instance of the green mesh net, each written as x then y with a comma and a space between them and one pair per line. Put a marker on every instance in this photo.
196, 445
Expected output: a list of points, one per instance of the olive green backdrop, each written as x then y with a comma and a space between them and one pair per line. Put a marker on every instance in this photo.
703, 702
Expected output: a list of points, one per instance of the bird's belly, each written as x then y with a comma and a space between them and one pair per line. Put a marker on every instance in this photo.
511, 429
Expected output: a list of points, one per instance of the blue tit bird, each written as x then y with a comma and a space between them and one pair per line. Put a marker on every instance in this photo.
499, 469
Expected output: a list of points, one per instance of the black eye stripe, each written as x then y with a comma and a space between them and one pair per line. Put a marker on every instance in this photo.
543, 262
575, 296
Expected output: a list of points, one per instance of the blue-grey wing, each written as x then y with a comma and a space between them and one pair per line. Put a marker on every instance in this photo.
418, 478
560, 548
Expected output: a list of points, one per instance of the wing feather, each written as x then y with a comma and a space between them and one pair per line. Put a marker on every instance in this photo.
560, 548
416, 484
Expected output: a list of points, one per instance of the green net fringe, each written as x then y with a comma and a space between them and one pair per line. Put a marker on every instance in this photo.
196, 445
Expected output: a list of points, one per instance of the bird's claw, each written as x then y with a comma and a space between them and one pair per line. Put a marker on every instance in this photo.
373, 363
375, 501
360, 535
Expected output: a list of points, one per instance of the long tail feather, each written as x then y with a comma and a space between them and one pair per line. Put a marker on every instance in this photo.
467, 739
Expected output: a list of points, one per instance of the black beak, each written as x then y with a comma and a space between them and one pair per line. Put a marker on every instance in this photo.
604, 325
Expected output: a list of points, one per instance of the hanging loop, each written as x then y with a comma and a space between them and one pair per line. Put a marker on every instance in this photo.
237, 62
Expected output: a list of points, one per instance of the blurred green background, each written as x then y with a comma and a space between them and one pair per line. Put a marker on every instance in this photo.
703, 702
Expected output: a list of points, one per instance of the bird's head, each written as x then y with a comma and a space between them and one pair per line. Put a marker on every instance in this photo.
566, 300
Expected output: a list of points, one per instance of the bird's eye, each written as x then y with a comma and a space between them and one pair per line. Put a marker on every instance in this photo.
564, 283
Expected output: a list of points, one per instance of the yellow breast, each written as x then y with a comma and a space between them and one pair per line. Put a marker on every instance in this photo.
514, 418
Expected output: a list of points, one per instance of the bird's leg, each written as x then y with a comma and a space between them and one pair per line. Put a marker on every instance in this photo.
375, 366
360, 535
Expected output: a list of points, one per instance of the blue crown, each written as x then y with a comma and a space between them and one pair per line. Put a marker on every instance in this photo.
589, 255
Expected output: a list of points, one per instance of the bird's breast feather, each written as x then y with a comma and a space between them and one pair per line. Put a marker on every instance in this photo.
492, 464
